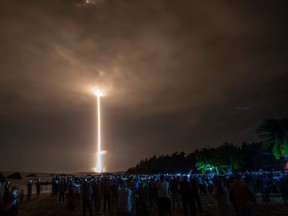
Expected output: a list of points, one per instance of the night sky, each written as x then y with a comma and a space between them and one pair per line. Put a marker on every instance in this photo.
178, 75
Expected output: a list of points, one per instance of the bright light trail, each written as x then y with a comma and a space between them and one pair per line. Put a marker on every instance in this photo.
99, 167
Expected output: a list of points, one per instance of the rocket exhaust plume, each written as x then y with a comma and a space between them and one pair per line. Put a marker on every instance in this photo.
99, 167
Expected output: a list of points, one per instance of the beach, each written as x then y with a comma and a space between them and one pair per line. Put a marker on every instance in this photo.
47, 205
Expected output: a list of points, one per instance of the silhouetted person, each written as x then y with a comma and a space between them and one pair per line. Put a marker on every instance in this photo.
9, 206
152, 191
1, 191
124, 205
106, 195
97, 195
29, 193
114, 188
194, 186
174, 188
70, 197
221, 195
62, 190
6, 189
241, 197
55, 185
140, 204
164, 197
38, 185
187, 196
22, 195
87, 194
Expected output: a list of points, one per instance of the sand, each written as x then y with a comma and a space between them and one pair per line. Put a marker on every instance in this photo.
47, 205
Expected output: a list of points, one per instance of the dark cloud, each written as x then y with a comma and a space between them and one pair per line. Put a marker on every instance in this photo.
177, 75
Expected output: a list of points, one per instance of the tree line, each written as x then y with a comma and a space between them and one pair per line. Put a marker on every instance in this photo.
270, 153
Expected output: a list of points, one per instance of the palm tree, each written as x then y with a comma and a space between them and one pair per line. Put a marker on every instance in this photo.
275, 136
204, 167
229, 156
207, 161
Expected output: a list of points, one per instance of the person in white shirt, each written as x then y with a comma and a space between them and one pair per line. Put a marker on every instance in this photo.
164, 197
124, 206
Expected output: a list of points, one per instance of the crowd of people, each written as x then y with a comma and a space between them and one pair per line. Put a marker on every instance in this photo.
139, 194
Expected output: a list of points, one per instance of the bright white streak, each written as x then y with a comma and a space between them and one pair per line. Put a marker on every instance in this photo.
99, 159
